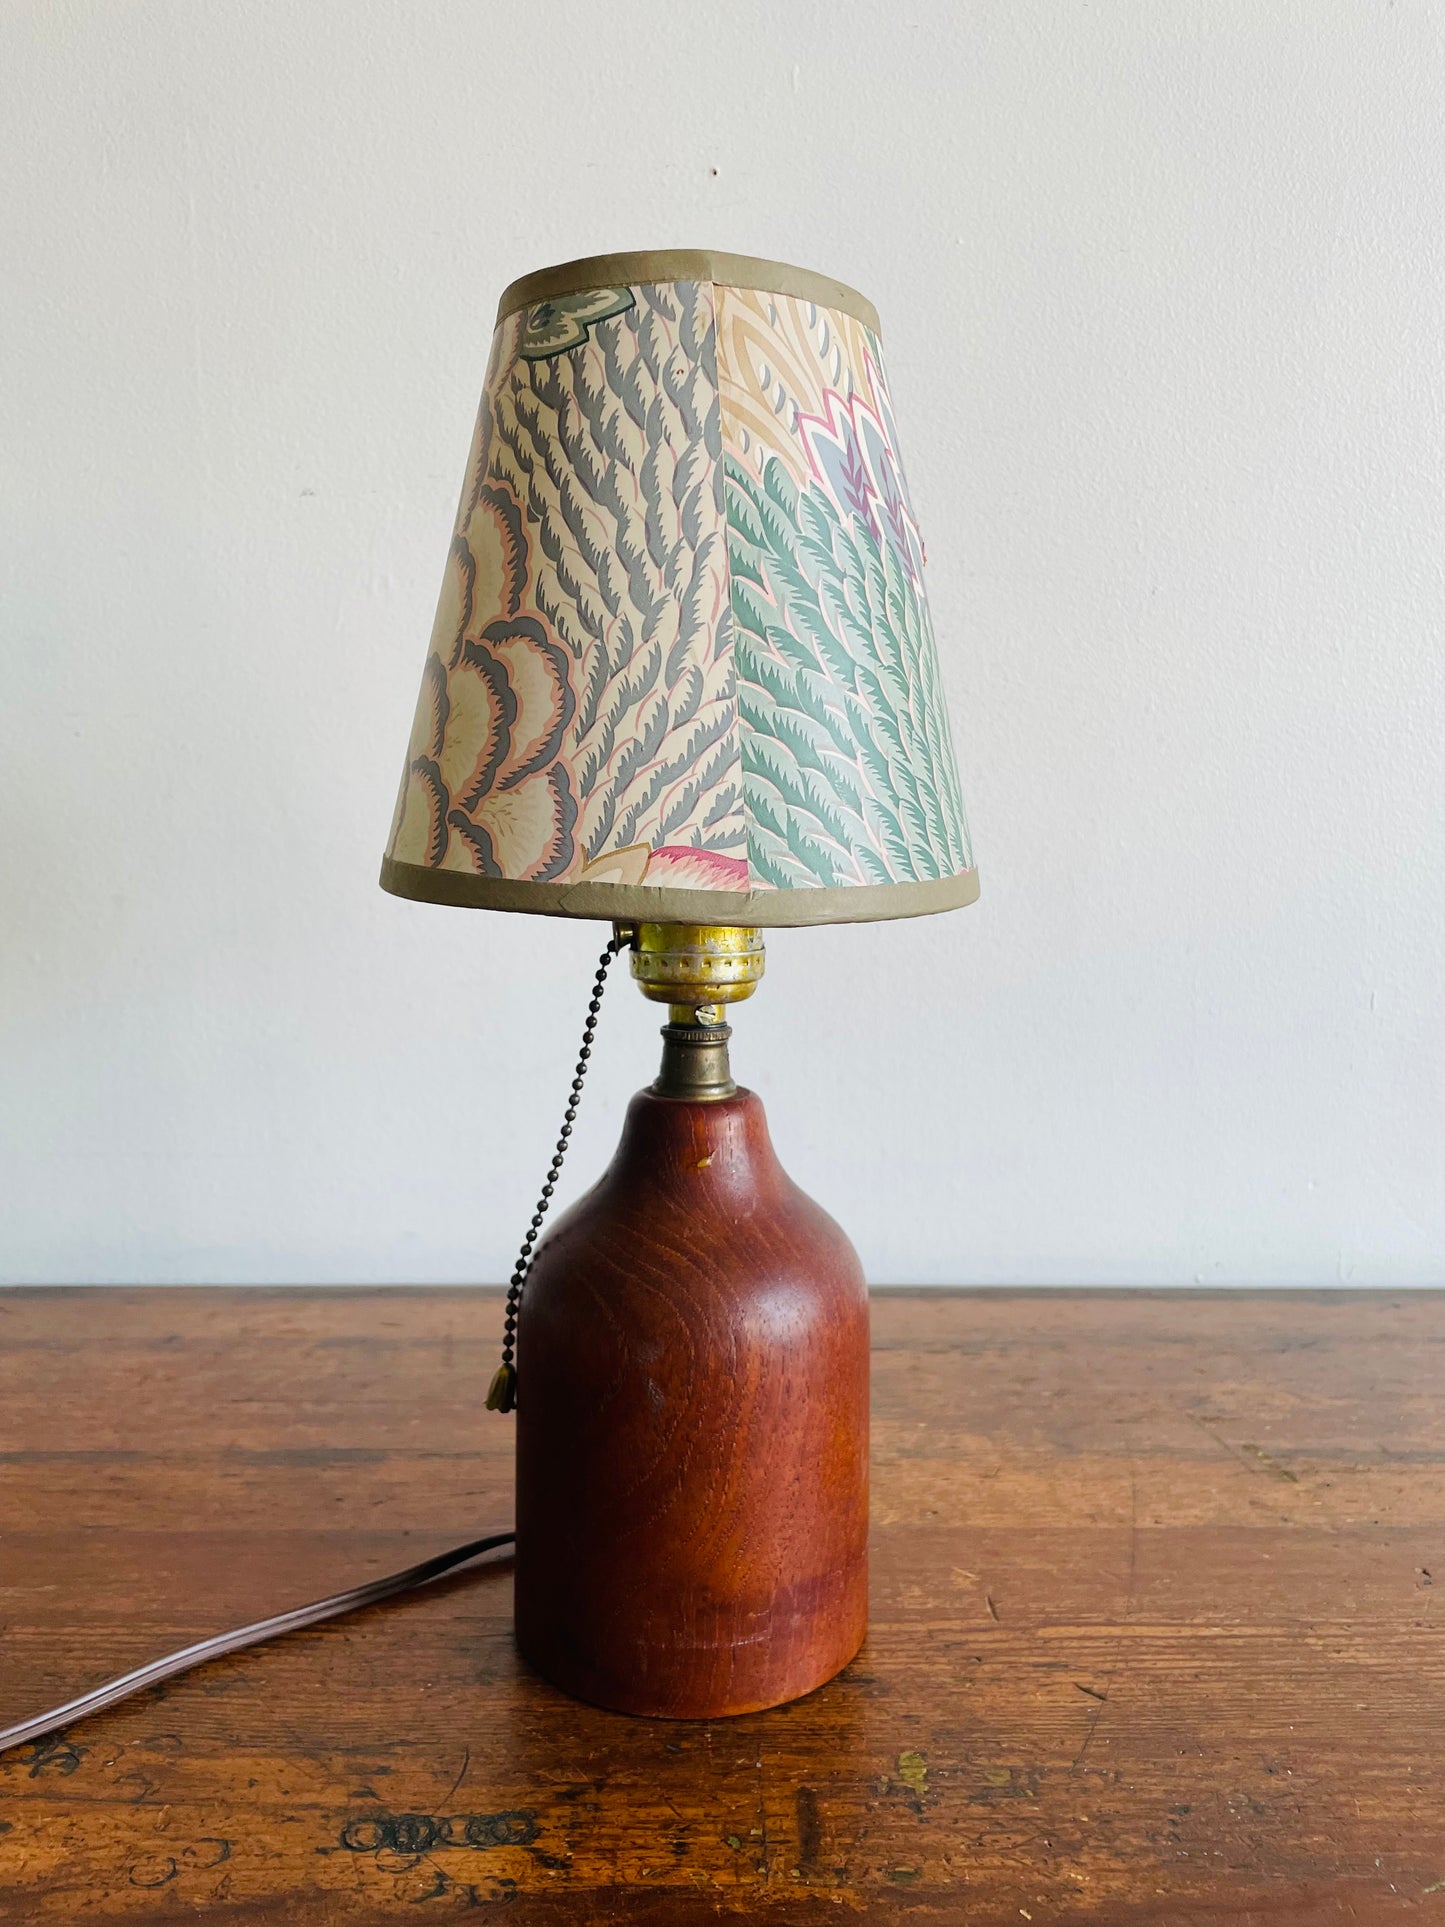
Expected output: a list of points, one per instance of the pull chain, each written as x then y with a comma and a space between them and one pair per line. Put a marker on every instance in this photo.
502, 1396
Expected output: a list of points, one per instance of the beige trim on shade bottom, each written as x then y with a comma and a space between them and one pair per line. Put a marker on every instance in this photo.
686, 264
636, 903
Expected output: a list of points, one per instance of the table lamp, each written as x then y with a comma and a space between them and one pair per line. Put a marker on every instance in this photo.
682, 679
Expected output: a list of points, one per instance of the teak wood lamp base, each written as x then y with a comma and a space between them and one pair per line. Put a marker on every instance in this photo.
692, 1411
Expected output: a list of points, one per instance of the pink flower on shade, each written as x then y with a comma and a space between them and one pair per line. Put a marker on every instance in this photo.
675, 866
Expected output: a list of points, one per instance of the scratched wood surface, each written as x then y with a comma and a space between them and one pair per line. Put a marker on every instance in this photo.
1152, 1634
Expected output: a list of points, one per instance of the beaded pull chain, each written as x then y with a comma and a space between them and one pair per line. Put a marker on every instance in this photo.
502, 1396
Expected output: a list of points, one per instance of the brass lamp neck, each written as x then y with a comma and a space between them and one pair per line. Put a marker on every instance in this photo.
696, 969
695, 1059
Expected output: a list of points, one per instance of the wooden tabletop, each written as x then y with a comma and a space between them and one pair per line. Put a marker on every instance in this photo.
1152, 1637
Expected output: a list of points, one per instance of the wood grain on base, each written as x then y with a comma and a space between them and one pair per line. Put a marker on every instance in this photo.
692, 1427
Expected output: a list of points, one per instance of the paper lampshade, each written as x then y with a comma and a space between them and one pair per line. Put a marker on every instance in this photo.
682, 667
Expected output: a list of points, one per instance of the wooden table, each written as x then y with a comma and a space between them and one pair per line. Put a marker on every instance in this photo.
1153, 1637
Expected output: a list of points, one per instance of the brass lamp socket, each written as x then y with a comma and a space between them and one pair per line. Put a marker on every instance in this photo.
696, 966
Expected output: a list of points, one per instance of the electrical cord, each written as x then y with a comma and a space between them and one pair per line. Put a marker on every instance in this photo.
501, 1397
260, 1630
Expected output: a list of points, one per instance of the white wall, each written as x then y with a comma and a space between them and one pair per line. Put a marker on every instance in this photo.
1161, 285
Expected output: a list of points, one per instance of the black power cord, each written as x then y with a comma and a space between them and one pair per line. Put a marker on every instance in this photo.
501, 1398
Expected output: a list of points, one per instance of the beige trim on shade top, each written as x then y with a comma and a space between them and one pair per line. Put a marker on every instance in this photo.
686, 264
636, 903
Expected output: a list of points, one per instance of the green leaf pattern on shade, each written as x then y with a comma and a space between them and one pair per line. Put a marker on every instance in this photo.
848, 772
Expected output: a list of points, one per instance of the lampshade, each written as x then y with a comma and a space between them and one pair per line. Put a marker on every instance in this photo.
682, 667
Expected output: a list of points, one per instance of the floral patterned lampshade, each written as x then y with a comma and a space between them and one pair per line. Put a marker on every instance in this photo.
682, 667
